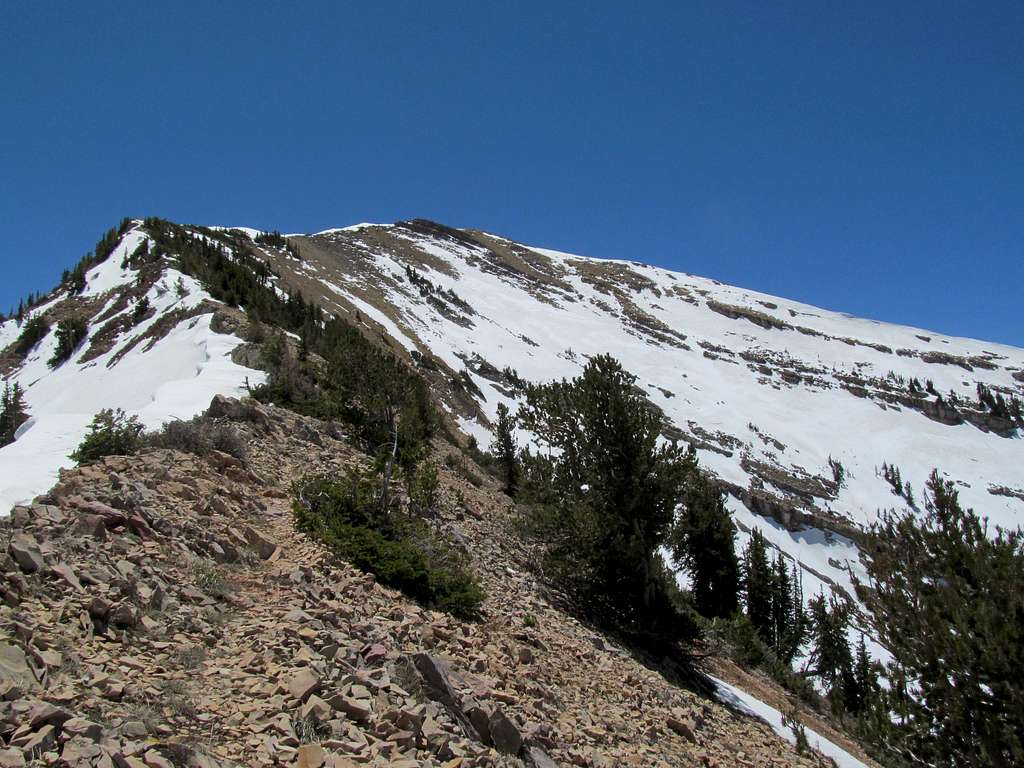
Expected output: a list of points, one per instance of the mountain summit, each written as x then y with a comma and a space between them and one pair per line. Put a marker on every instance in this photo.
809, 421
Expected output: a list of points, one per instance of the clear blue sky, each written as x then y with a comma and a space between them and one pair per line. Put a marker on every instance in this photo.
866, 157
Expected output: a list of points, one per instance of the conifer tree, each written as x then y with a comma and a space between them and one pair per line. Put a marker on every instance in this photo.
505, 450
609, 496
757, 585
945, 599
703, 542
70, 333
13, 412
831, 659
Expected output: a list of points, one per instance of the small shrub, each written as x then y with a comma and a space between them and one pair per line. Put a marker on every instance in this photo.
210, 579
422, 487
111, 433
529, 620
70, 333
200, 436
401, 551
191, 656
791, 721
34, 331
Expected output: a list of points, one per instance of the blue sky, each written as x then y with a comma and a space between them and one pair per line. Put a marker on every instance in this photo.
864, 157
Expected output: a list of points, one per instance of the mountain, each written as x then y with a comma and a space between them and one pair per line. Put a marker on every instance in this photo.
810, 420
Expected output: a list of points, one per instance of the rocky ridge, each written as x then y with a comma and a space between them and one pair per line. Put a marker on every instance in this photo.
162, 610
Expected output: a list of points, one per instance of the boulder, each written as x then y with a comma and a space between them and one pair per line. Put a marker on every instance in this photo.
535, 757
304, 684
25, 551
260, 544
504, 734
14, 666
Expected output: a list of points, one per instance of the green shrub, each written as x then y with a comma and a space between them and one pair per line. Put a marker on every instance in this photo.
401, 551
34, 331
70, 333
422, 486
200, 436
111, 433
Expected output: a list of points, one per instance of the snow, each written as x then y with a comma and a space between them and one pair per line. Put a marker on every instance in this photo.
747, 704
804, 425
175, 379
249, 232
350, 228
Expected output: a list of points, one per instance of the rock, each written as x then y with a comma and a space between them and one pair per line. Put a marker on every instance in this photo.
135, 729
260, 544
154, 759
11, 757
535, 757
64, 572
93, 526
303, 684
685, 727
315, 708
26, 554
47, 714
504, 734
79, 726
374, 653
311, 756
42, 740
437, 686
79, 752
353, 708
124, 615
14, 666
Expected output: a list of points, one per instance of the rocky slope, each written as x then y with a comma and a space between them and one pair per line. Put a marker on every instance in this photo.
162, 610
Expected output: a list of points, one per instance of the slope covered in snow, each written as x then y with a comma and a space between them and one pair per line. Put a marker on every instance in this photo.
166, 366
795, 409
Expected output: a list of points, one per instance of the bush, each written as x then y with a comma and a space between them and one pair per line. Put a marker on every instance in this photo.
70, 333
111, 433
200, 436
401, 551
34, 331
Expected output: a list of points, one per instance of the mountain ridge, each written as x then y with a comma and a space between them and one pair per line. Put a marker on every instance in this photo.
811, 421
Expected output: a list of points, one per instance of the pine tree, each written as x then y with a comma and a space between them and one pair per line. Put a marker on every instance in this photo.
865, 680
757, 585
945, 599
830, 653
609, 497
505, 450
13, 412
703, 542
70, 333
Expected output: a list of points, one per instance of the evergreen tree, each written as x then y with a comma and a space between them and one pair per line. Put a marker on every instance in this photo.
505, 450
608, 496
33, 331
703, 542
13, 412
788, 625
865, 680
831, 659
70, 333
945, 598
757, 585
